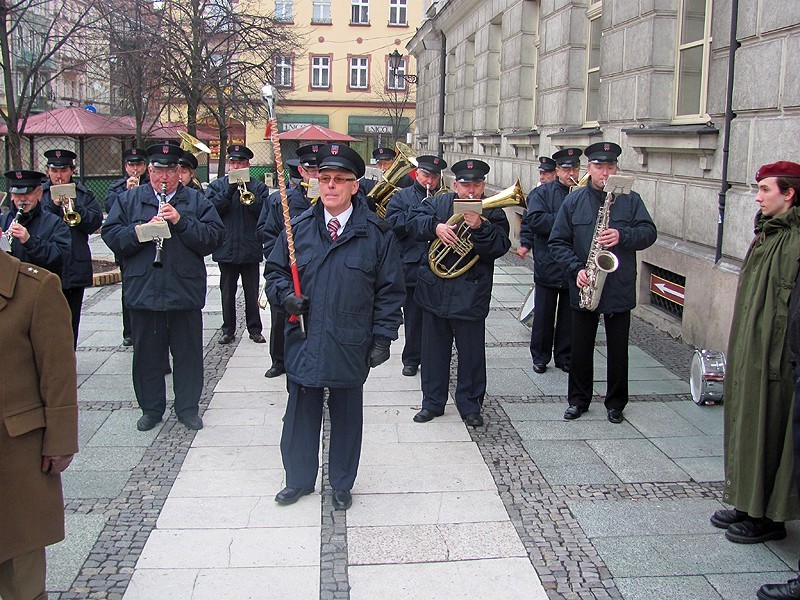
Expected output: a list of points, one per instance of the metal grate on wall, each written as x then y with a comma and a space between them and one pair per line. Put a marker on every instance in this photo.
663, 296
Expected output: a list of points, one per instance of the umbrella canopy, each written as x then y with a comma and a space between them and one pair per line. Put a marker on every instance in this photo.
73, 121
315, 133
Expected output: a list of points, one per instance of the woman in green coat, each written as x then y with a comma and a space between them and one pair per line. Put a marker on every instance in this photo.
759, 390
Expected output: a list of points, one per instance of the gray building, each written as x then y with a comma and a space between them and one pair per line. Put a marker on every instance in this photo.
511, 80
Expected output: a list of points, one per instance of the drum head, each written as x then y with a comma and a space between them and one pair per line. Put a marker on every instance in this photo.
696, 382
526, 312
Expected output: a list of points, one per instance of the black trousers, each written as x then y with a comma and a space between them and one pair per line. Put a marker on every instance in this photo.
437, 348
581, 372
155, 333
277, 333
229, 277
301, 434
74, 298
551, 333
412, 326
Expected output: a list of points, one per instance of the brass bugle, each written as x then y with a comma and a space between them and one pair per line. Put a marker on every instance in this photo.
66, 194
240, 177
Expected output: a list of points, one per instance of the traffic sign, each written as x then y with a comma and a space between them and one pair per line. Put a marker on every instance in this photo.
667, 289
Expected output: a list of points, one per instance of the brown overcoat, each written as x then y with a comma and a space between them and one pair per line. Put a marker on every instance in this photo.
38, 405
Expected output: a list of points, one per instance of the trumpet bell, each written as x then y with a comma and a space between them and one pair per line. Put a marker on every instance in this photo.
192, 144
403, 163
71, 218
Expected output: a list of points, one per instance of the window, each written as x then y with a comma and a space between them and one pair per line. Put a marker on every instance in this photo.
360, 12
359, 73
283, 72
694, 41
593, 64
320, 72
283, 11
398, 12
321, 12
394, 79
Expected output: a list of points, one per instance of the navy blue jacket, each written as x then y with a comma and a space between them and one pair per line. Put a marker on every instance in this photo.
241, 245
119, 187
49, 243
543, 204
467, 296
270, 221
181, 283
572, 236
355, 287
76, 268
398, 213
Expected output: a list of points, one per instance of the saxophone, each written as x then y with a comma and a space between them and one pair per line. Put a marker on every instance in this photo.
601, 262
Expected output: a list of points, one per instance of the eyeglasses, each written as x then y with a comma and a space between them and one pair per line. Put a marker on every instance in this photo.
165, 170
337, 179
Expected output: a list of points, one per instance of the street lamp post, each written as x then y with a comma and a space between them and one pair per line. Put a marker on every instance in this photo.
395, 60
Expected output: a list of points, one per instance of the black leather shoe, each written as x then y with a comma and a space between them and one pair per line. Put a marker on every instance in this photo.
126, 341
274, 371
424, 415
473, 419
755, 531
564, 368
226, 338
615, 415
191, 421
290, 495
342, 499
258, 338
574, 412
147, 422
780, 591
539, 368
725, 517
410, 370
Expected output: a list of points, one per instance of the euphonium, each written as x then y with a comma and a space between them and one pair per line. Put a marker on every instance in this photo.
383, 191
246, 197
456, 259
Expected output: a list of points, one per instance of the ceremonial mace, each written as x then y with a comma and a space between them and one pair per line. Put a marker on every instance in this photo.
268, 97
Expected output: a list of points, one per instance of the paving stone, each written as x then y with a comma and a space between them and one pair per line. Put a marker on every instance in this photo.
282, 582
65, 558
580, 474
105, 458
711, 468
386, 479
239, 435
89, 362
420, 454
254, 482
93, 484
89, 421
737, 585
175, 584
637, 461
579, 429
510, 382
120, 364
232, 458
658, 419
371, 510
707, 419
233, 400
547, 411
666, 588
119, 429
237, 512
701, 446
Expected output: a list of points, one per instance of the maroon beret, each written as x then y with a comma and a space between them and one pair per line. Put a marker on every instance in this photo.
782, 168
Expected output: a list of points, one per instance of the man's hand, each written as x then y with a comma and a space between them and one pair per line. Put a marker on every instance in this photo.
19, 232
472, 219
446, 233
609, 238
582, 279
296, 305
379, 352
522, 252
53, 465
169, 213
132, 182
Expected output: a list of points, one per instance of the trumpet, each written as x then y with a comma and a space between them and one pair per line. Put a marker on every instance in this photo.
66, 194
240, 177
246, 197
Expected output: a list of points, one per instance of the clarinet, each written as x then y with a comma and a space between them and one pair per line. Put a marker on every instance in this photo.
20, 212
162, 200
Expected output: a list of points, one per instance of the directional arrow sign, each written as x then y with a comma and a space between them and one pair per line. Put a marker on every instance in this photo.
667, 289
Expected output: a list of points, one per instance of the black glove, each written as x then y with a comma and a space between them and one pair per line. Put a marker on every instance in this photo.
296, 305
379, 352
232, 189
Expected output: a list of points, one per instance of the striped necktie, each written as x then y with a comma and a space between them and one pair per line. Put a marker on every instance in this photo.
333, 228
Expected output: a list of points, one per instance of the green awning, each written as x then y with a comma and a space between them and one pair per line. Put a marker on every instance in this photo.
375, 125
295, 121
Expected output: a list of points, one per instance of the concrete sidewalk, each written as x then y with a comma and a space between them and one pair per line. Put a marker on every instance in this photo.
528, 506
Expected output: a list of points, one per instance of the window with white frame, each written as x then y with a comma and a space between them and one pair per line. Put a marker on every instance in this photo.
283, 11
321, 11
592, 102
398, 12
395, 80
359, 12
359, 72
691, 75
320, 72
283, 72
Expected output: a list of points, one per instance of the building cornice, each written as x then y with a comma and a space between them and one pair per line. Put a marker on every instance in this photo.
323, 104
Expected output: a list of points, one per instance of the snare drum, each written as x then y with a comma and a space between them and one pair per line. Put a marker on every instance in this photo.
707, 376
526, 312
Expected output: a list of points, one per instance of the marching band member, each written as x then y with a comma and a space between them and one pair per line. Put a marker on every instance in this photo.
76, 269
413, 252
630, 229
166, 303
240, 253
457, 307
270, 225
187, 165
36, 236
384, 157
550, 334
547, 170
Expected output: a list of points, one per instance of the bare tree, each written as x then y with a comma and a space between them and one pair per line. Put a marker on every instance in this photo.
40, 40
396, 98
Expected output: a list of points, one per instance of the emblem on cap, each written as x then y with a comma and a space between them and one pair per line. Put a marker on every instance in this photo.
315, 148
570, 152
133, 151
165, 149
335, 149
606, 147
236, 148
58, 153
19, 174
436, 161
470, 164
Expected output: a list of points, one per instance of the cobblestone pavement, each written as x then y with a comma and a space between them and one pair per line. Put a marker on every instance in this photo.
603, 511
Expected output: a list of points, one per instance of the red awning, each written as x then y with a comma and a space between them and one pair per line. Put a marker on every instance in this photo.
74, 121
315, 133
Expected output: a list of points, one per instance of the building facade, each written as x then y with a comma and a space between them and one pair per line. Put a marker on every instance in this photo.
511, 80
342, 79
